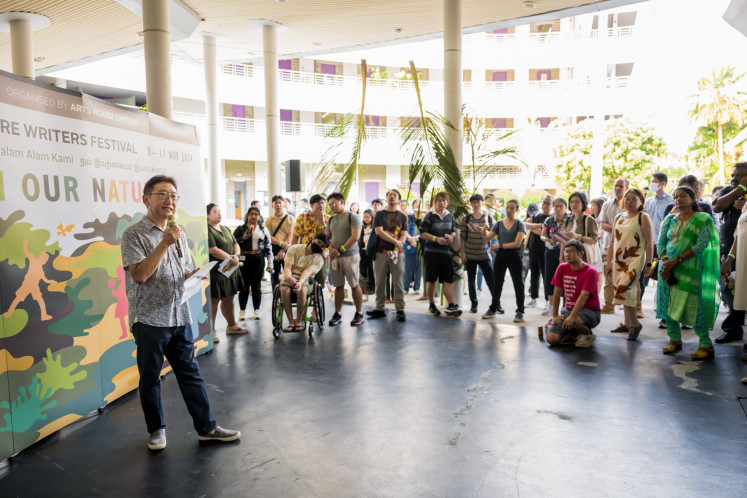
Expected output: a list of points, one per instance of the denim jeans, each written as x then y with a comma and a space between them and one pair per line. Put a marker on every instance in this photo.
153, 343
413, 272
734, 321
536, 270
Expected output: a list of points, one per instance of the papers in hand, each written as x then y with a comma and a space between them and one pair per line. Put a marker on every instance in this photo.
227, 267
194, 283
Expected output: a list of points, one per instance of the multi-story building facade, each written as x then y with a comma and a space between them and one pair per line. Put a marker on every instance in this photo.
534, 79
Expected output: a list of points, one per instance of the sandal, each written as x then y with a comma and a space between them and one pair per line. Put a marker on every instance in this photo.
634, 331
672, 347
236, 329
290, 328
621, 328
703, 353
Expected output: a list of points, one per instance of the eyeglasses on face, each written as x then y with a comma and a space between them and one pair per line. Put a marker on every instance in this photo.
165, 195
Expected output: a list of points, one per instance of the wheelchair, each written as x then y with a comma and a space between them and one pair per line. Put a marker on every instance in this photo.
313, 312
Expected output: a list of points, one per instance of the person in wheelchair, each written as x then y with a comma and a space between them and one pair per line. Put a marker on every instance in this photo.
302, 262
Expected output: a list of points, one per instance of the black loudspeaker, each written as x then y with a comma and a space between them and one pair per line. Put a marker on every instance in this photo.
293, 176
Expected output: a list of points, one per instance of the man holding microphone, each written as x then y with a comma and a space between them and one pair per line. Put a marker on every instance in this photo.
155, 257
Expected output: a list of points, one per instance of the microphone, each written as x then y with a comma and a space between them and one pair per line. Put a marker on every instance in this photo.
172, 223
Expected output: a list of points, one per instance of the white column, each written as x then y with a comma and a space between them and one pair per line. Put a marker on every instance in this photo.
22, 48
217, 191
157, 62
452, 11
272, 116
21, 26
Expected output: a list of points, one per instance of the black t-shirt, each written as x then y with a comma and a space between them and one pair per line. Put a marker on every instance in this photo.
534, 243
729, 218
394, 222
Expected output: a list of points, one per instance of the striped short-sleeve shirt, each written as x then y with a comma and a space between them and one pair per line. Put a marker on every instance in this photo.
475, 248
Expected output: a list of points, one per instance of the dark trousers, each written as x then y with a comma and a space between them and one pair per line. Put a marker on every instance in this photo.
153, 343
251, 272
552, 261
487, 271
510, 260
536, 270
278, 268
735, 319
366, 273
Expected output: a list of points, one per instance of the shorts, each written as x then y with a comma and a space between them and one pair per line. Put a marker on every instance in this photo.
439, 266
588, 316
347, 269
285, 283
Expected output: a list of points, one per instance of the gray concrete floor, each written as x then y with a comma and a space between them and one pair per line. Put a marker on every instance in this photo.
431, 407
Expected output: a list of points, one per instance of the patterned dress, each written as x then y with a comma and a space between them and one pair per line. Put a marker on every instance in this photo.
629, 258
220, 285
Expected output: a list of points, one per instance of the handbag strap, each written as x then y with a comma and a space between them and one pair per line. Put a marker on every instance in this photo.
279, 225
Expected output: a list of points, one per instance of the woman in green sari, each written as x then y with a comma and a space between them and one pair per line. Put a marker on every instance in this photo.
688, 290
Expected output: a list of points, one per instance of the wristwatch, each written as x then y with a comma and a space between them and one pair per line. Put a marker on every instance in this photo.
679, 259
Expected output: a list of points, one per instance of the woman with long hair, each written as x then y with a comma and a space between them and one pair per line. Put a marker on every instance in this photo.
365, 269
550, 228
629, 254
221, 246
255, 244
688, 289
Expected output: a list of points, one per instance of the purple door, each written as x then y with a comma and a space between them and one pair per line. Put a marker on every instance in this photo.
329, 69
500, 75
372, 120
286, 115
546, 72
238, 111
284, 64
372, 191
544, 122
502, 31
498, 123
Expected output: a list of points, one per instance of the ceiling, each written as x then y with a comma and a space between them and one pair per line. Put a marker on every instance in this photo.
84, 30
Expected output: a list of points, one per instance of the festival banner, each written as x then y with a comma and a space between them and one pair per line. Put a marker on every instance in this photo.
72, 170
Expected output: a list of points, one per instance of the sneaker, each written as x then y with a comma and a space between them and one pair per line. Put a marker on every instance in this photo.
376, 313
433, 310
357, 319
500, 310
242, 315
489, 314
236, 329
662, 324
585, 340
401, 316
639, 313
257, 315
216, 339
519, 317
335, 320
548, 310
607, 309
473, 309
220, 434
453, 310
532, 303
157, 440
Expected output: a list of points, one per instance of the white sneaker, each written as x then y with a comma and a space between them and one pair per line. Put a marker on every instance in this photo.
548, 310
242, 315
257, 315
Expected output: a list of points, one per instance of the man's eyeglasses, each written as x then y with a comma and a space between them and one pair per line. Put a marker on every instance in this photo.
163, 196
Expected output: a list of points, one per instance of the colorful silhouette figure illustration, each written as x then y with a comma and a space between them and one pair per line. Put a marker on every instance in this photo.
119, 292
30, 285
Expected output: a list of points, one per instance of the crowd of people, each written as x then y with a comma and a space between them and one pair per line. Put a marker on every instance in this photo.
592, 256
585, 257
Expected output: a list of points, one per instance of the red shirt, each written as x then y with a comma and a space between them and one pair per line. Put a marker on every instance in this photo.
574, 281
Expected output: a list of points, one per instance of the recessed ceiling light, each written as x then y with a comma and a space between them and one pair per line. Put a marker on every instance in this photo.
397, 30
529, 5
38, 59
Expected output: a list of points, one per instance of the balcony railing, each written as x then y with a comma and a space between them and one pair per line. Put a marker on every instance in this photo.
546, 37
500, 86
244, 70
544, 84
500, 37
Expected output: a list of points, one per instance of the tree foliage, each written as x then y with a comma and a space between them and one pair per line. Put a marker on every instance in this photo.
631, 150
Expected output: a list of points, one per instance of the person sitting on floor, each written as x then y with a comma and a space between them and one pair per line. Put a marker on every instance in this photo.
581, 312
302, 263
